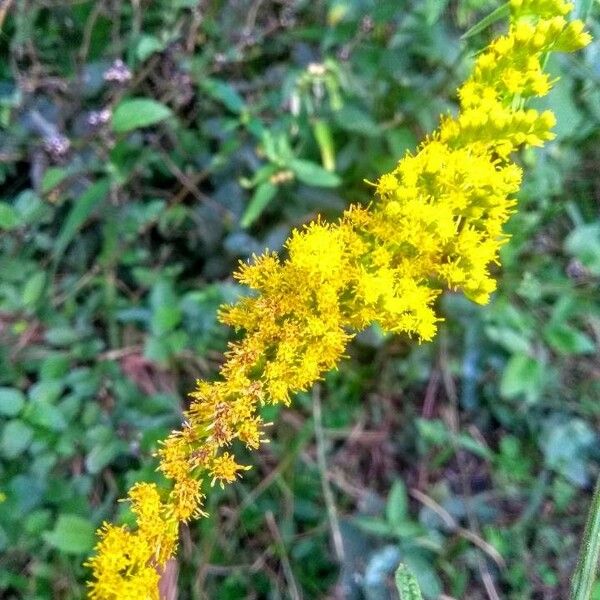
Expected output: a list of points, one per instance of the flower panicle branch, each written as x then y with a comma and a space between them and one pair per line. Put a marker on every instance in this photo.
436, 223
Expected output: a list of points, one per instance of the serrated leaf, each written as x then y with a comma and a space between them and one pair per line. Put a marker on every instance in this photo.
135, 113
313, 174
72, 534
261, 198
406, 584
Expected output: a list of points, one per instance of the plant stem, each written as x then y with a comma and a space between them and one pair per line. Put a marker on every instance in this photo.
587, 565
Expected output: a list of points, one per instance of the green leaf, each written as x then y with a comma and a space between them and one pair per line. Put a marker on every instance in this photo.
165, 318
46, 415
400, 140
354, 119
565, 444
429, 582
313, 174
473, 446
16, 437
584, 244
147, 46
584, 585
72, 534
54, 176
224, 93
9, 217
322, 133
80, 212
584, 7
397, 504
11, 401
523, 375
135, 113
34, 288
434, 10
407, 585
567, 340
500, 13
263, 194
374, 526
101, 455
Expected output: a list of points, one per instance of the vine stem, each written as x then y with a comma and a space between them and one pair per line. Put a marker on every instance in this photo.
587, 564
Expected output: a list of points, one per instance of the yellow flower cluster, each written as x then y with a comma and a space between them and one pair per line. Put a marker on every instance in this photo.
436, 223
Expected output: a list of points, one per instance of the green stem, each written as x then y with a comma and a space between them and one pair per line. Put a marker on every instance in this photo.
587, 565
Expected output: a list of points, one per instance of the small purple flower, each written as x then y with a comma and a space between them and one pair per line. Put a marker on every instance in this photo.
118, 72
57, 144
99, 117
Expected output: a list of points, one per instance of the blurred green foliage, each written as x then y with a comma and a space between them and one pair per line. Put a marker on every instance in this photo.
146, 148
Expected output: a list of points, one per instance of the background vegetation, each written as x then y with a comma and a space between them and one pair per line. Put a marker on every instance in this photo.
146, 148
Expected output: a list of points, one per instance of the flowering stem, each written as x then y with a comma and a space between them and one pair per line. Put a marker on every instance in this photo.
587, 565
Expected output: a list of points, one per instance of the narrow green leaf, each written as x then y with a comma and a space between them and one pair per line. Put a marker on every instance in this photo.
81, 210
313, 174
263, 194
434, 10
584, 8
397, 504
407, 585
322, 133
135, 113
587, 564
500, 13
224, 93
374, 526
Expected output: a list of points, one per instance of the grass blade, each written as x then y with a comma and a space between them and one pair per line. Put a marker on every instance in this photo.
500, 13
584, 8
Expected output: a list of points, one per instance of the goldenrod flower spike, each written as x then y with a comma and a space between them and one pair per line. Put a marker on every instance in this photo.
436, 224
